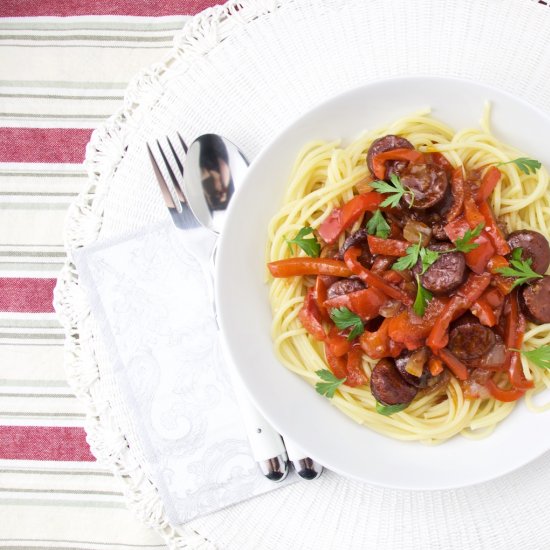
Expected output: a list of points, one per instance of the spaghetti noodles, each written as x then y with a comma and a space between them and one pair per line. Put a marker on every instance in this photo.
328, 175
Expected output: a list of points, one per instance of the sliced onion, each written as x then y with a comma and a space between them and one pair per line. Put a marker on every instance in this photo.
416, 362
413, 229
364, 186
390, 309
495, 357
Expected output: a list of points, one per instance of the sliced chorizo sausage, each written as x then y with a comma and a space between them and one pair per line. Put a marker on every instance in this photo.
469, 340
344, 286
387, 143
359, 239
445, 274
428, 183
535, 300
388, 386
535, 247
421, 356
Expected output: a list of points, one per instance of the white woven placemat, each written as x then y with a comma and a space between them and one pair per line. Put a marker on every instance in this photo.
246, 70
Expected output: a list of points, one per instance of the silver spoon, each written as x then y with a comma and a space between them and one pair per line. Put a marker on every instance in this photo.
214, 167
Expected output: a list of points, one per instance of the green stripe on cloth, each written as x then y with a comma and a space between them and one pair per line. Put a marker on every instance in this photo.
63, 84
89, 38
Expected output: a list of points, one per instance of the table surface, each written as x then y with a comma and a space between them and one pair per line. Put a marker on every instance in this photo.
64, 67
60, 78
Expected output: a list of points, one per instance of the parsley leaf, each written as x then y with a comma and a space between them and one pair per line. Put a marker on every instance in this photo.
464, 244
521, 270
517, 253
414, 253
388, 410
310, 246
423, 296
538, 356
330, 384
378, 225
395, 190
408, 261
344, 318
427, 257
526, 165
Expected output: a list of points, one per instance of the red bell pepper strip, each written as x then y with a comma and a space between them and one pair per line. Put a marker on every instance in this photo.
311, 318
336, 364
379, 160
493, 231
320, 297
387, 247
472, 214
484, 312
339, 345
465, 296
488, 184
478, 258
456, 366
513, 338
439, 159
373, 280
503, 395
377, 344
355, 375
458, 189
291, 267
342, 217
435, 365
496, 263
365, 303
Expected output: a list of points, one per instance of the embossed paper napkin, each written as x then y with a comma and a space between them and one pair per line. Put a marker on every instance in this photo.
151, 299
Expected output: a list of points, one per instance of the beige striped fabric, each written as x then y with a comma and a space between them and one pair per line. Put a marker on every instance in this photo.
59, 78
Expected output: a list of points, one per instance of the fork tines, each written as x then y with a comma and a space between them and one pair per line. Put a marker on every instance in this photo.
167, 160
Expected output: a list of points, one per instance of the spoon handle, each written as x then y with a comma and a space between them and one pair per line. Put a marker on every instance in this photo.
267, 446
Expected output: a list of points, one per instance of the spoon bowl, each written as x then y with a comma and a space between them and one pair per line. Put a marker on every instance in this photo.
214, 168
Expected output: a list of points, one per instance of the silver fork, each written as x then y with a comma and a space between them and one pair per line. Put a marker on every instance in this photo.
267, 446
172, 193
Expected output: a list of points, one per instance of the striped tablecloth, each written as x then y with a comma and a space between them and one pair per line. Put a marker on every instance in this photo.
64, 65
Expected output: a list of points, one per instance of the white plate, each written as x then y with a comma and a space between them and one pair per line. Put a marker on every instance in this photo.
290, 404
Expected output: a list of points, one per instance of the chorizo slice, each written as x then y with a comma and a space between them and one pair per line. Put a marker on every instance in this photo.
388, 386
420, 357
344, 286
387, 143
428, 183
445, 274
534, 246
469, 340
535, 300
359, 239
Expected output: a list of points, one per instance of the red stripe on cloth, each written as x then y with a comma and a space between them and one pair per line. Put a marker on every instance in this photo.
44, 443
147, 8
43, 144
26, 295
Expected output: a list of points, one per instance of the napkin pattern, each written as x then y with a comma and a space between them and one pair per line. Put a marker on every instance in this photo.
151, 296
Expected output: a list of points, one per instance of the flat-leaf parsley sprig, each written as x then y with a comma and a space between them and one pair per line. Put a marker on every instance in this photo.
520, 269
464, 244
423, 297
414, 253
378, 225
526, 165
330, 385
538, 356
388, 410
395, 190
344, 318
310, 246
